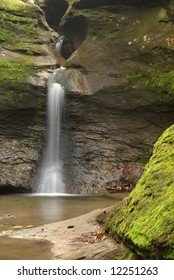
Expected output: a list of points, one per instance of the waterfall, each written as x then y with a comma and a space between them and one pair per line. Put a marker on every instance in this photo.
59, 44
51, 178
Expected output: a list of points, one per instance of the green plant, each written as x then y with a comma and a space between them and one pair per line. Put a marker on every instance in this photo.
162, 84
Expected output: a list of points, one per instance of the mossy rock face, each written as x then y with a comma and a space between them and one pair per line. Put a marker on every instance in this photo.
25, 51
144, 222
25, 40
120, 41
96, 3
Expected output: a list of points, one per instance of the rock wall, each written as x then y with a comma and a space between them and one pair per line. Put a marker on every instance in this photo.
25, 55
54, 11
126, 98
107, 136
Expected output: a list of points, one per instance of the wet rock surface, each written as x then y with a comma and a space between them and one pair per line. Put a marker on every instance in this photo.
108, 131
119, 113
25, 56
120, 41
21, 141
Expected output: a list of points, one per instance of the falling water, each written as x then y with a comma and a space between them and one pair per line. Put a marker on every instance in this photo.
51, 178
59, 44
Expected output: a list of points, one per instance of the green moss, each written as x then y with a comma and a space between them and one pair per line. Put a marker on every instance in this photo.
145, 222
143, 160
163, 84
13, 79
88, 13
136, 78
16, 6
26, 48
20, 40
94, 36
105, 19
128, 255
18, 33
112, 35
14, 71
19, 22
171, 47
158, 85
12, 5
13, 26
13, 97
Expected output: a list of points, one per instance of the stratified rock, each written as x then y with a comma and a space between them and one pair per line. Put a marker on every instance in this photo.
118, 45
125, 98
144, 222
25, 49
108, 131
21, 142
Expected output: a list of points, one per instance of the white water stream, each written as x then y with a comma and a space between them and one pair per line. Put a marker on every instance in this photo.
51, 178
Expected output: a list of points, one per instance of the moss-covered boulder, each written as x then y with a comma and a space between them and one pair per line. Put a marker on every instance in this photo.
145, 221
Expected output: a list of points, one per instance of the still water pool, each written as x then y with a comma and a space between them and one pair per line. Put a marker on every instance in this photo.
25, 211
